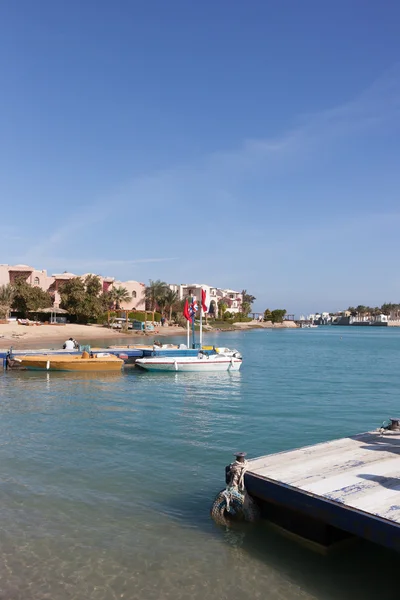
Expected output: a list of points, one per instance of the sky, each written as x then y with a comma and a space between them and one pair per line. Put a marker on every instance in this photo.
240, 144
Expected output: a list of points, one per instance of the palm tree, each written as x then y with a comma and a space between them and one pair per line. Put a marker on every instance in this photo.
162, 304
6, 300
154, 292
361, 311
247, 301
387, 308
119, 295
171, 299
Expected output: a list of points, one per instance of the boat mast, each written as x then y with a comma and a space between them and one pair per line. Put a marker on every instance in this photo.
201, 323
193, 325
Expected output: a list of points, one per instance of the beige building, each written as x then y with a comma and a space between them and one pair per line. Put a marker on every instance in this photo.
231, 298
53, 283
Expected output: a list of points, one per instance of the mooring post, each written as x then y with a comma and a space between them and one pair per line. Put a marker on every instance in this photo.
240, 458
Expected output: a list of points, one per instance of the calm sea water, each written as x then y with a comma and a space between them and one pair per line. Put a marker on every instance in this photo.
106, 481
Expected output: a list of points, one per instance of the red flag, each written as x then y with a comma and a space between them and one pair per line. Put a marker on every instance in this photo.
186, 313
203, 301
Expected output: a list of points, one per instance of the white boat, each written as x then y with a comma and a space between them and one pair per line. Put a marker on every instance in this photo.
200, 363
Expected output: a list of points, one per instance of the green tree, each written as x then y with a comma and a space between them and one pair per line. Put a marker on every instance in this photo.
6, 300
247, 302
84, 298
388, 307
107, 300
162, 304
171, 301
93, 285
278, 315
245, 308
153, 292
29, 298
361, 311
177, 313
267, 315
119, 295
73, 294
221, 308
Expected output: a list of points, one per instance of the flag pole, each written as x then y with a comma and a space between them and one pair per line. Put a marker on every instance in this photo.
201, 325
187, 334
193, 326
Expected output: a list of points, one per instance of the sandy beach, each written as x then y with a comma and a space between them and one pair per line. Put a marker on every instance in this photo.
22, 336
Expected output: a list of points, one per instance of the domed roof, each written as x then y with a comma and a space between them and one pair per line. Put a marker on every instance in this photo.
21, 268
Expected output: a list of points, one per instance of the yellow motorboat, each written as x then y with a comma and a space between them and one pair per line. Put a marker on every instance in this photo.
129, 347
102, 361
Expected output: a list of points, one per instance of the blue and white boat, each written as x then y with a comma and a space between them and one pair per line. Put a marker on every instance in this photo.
195, 364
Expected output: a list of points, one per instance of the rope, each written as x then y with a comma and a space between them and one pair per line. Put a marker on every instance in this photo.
238, 470
227, 497
234, 499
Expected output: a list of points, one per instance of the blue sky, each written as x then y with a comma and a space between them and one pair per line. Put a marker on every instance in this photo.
248, 145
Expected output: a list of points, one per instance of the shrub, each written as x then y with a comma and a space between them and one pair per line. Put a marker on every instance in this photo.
135, 315
241, 318
141, 316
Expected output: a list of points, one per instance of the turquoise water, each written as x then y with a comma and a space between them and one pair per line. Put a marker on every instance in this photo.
106, 481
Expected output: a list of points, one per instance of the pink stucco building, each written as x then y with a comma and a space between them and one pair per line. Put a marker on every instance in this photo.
9, 273
53, 283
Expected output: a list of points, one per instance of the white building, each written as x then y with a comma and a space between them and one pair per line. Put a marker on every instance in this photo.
320, 318
381, 319
214, 295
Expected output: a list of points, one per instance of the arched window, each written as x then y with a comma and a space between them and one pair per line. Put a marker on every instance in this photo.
36, 281
134, 294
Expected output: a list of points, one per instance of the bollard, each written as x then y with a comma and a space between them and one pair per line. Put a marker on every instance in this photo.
240, 456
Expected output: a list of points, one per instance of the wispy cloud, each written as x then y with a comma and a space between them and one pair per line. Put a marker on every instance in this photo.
218, 177
97, 263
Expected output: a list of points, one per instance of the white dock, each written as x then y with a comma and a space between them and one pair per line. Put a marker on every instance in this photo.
352, 484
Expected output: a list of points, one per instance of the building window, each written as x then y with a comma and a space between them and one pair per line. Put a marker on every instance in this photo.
134, 294
36, 281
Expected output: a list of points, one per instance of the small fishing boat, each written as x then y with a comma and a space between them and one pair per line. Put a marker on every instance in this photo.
200, 363
102, 361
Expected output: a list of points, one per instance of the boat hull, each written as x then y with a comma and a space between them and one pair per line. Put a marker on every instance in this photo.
71, 363
192, 366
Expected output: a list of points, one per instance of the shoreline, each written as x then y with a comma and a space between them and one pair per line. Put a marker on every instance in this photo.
22, 337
